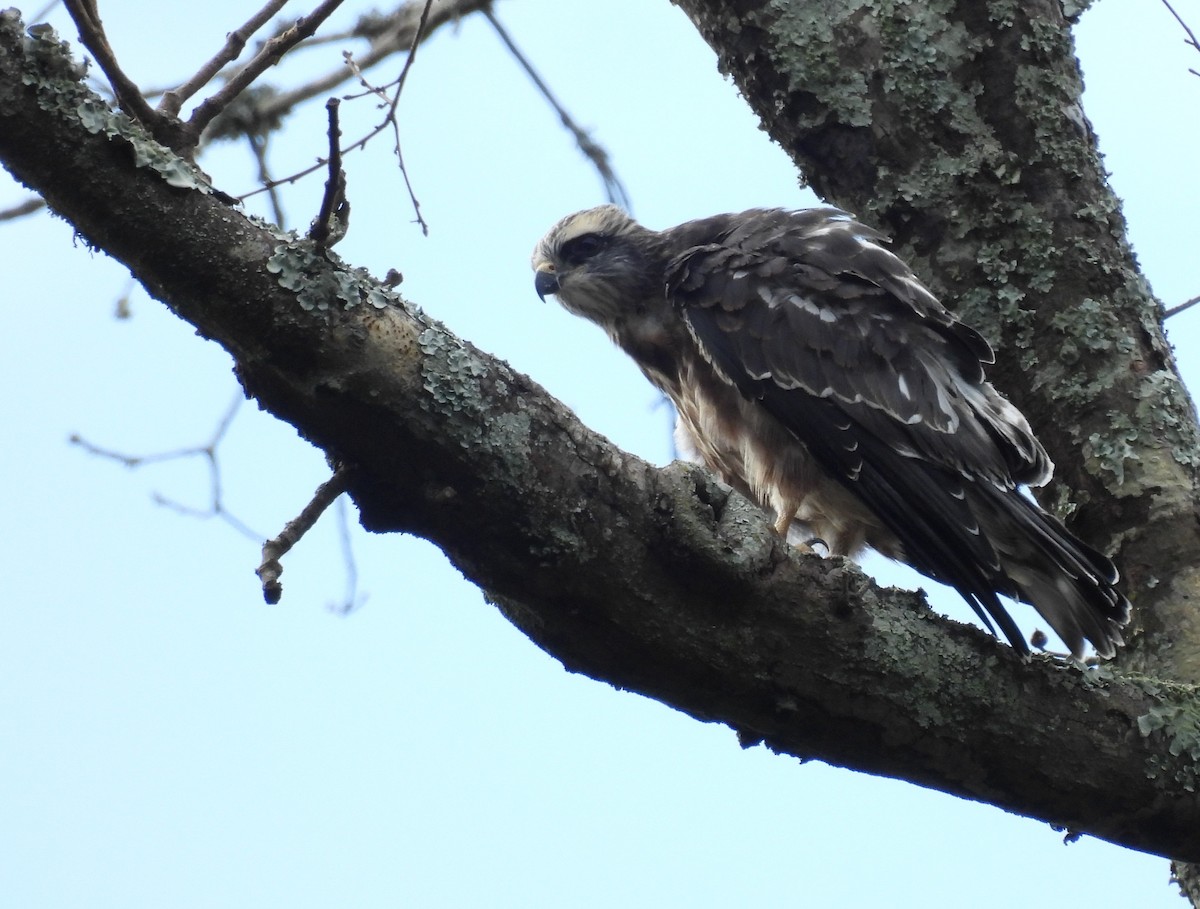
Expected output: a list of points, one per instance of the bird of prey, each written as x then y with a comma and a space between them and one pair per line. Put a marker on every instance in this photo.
814, 372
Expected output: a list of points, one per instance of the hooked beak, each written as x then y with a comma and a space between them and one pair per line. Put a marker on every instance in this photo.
545, 282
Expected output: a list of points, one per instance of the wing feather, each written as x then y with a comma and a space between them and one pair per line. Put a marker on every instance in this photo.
809, 314
816, 305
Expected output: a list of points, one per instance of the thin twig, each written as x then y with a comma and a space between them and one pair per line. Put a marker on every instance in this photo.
400, 36
383, 44
205, 513
258, 147
388, 120
273, 550
418, 33
270, 54
320, 164
41, 14
614, 189
235, 42
1191, 35
391, 113
1176, 310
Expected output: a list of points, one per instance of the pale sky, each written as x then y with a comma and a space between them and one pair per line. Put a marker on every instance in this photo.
172, 741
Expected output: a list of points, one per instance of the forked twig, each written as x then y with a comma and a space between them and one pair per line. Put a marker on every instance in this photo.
389, 120
208, 451
1191, 37
270, 54
387, 36
235, 42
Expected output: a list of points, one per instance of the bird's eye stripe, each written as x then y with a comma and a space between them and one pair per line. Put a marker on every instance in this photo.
583, 247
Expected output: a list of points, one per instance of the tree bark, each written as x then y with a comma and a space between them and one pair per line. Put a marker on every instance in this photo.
655, 580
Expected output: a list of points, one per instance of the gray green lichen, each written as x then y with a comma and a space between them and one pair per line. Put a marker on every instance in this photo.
1178, 722
814, 60
306, 271
450, 372
57, 79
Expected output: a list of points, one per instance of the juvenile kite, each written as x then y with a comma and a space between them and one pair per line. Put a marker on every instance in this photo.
813, 371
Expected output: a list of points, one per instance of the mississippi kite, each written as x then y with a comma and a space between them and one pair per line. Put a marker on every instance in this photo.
814, 372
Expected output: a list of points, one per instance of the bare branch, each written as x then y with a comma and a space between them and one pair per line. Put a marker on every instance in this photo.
418, 33
275, 549
271, 53
173, 100
410, 25
614, 189
1176, 310
208, 451
389, 120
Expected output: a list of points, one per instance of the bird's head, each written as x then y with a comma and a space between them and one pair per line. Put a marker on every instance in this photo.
600, 263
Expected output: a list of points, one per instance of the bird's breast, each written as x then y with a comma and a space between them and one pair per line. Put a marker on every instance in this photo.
753, 452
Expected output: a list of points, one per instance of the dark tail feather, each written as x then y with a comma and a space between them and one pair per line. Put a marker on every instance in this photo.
1070, 584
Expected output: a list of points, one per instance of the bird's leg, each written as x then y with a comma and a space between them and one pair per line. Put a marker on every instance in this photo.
783, 524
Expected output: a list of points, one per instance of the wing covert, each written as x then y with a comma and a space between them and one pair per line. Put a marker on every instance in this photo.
819, 307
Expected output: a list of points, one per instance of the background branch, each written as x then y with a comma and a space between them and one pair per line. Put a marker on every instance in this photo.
1191, 36
614, 189
21, 209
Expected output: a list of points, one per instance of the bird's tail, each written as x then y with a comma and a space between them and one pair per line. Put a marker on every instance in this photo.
1070, 584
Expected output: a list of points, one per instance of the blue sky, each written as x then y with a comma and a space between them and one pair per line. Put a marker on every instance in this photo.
170, 740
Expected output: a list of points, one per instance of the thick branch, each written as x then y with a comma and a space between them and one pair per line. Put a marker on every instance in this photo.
657, 581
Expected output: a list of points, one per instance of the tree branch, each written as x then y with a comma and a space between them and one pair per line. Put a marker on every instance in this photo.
659, 581
173, 99
270, 54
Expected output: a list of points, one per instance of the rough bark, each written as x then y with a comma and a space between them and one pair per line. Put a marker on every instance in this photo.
657, 581
958, 128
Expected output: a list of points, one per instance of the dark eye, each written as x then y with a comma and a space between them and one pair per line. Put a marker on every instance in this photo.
579, 249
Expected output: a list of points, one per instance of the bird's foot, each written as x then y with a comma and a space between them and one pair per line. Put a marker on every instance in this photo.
814, 546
